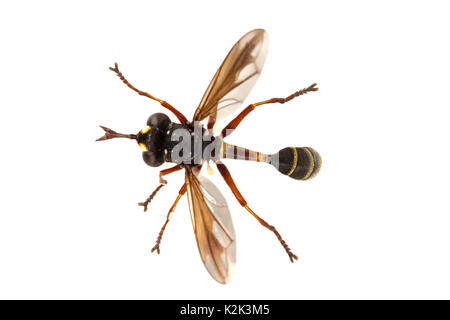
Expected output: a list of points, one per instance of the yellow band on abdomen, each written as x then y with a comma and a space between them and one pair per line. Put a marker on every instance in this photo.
294, 163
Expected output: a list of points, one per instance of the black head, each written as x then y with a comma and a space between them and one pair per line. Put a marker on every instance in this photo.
150, 139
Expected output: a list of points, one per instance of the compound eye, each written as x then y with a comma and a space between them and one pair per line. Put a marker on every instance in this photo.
158, 120
153, 159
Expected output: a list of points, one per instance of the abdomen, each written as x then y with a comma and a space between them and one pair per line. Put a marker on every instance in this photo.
298, 163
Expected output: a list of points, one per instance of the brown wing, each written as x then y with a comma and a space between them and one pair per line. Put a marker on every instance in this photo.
235, 78
213, 227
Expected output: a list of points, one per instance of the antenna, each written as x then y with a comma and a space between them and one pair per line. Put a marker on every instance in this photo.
110, 134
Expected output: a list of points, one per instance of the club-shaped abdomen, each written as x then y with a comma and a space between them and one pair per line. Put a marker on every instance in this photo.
298, 163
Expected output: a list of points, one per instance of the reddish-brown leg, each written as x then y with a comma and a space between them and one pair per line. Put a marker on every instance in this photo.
162, 184
169, 215
177, 113
236, 121
229, 180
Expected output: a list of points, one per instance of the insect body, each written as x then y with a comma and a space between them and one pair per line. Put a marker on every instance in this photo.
191, 144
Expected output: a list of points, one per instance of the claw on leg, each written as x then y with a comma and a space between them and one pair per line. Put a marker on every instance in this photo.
115, 69
156, 247
291, 255
150, 198
162, 184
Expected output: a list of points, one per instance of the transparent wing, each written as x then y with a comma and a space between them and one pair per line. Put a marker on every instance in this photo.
234, 79
213, 227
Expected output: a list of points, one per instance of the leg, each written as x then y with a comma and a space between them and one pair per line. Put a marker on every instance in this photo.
236, 121
229, 180
169, 215
162, 183
177, 113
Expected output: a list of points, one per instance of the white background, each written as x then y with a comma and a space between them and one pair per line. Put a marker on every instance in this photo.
373, 224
